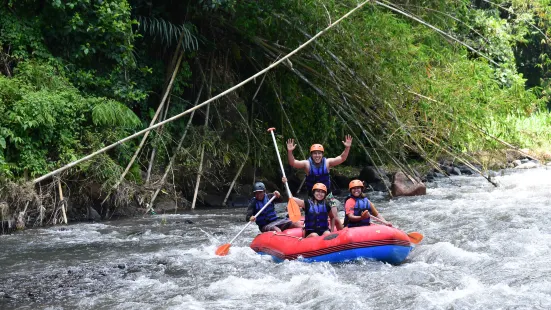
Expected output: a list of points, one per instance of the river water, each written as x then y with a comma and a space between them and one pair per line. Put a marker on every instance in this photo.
484, 248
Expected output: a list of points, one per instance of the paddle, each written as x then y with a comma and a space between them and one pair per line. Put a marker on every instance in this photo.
414, 237
292, 207
225, 248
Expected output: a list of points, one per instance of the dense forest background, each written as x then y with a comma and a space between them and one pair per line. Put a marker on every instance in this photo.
410, 80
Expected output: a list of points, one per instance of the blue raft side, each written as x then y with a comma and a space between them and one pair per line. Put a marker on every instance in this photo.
392, 254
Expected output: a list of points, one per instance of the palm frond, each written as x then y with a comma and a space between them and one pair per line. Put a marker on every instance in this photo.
114, 113
168, 33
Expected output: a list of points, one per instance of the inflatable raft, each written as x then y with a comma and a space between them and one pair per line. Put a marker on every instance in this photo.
375, 242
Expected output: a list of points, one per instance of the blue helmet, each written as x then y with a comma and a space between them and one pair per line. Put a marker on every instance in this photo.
259, 186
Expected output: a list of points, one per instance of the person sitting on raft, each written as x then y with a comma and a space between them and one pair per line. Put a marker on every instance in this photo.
317, 168
357, 207
317, 212
267, 220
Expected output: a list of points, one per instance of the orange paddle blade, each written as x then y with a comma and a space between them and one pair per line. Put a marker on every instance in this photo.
294, 210
415, 237
223, 249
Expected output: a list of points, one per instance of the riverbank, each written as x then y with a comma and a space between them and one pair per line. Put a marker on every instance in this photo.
25, 206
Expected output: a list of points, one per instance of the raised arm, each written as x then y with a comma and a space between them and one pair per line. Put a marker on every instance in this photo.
332, 162
299, 202
299, 164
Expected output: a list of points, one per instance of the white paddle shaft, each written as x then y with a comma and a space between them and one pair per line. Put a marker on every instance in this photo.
281, 164
249, 223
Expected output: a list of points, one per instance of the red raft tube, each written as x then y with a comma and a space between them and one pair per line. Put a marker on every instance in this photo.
373, 242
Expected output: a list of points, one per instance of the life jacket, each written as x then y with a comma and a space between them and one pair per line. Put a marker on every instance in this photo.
318, 175
316, 218
268, 215
362, 204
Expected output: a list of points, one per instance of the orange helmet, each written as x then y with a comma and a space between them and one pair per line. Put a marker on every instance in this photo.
319, 186
316, 147
355, 183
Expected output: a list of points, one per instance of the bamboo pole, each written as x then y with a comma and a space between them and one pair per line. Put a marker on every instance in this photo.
172, 159
159, 109
62, 201
251, 78
248, 150
205, 128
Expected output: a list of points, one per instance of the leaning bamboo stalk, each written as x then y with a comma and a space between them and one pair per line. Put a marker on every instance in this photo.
159, 109
248, 150
482, 131
229, 90
154, 151
173, 158
62, 201
200, 171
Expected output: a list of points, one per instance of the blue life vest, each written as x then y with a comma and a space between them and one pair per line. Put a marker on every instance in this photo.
268, 215
316, 219
361, 205
318, 175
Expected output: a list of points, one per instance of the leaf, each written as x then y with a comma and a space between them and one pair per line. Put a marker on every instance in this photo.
2, 142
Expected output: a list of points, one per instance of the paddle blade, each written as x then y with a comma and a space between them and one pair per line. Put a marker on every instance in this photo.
294, 210
223, 249
415, 237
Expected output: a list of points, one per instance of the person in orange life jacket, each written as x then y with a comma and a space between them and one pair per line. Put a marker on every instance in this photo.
358, 208
317, 212
317, 167
267, 220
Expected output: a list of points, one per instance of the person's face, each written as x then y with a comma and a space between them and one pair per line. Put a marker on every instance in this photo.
356, 191
317, 156
319, 194
259, 195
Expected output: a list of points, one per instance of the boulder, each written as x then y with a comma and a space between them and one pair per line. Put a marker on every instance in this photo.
403, 186
213, 200
92, 214
371, 174
527, 165
339, 181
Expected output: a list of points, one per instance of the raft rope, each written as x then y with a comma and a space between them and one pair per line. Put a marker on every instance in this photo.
273, 65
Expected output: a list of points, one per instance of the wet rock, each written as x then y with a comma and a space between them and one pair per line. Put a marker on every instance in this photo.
239, 201
121, 266
403, 186
338, 182
93, 215
372, 174
516, 162
465, 170
455, 171
527, 165
188, 221
213, 200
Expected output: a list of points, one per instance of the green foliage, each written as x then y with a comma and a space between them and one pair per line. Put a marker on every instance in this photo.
112, 113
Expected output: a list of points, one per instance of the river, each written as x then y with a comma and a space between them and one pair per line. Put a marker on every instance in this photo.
484, 248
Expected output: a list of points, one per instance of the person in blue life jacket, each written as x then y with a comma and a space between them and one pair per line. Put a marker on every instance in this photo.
317, 212
268, 219
358, 209
317, 168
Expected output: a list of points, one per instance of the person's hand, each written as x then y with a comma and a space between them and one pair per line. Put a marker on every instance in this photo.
277, 194
365, 214
291, 144
389, 225
284, 180
252, 219
347, 141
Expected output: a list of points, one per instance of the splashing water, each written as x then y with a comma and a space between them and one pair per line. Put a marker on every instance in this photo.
484, 248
